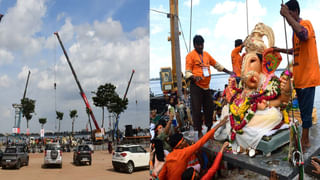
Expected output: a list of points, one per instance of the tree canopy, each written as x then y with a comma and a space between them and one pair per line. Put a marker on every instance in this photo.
28, 106
42, 121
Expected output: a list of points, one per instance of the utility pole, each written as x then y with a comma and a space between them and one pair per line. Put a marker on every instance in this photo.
175, 46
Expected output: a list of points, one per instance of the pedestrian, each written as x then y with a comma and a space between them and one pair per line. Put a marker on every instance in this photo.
110, 147
306, 72
198, 64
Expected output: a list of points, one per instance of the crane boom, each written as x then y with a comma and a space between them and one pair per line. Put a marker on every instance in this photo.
124, 97
25, 89
83, 95
125, 94
24, 96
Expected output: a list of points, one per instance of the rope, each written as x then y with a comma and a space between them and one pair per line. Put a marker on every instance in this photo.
184, 40
288, 67
247, 17
190, 25
161, 12
300, 157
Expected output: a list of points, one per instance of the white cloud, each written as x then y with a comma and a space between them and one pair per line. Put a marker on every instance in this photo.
67, 30
225, 7
194, 3
6, 57
205, 32
45, 81
20, 24
60, 16
4, 81
233, 25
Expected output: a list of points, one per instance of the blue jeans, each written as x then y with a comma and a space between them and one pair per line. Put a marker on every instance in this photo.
306, 101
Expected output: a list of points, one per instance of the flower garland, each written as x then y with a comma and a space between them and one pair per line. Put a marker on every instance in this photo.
241, 115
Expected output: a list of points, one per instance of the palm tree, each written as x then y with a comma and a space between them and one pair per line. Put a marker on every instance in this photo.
60, 117
73, 115
42, 121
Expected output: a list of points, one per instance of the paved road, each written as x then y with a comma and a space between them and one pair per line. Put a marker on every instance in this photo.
101, 168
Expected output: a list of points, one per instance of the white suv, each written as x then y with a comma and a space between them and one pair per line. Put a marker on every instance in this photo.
53, 154
129, 157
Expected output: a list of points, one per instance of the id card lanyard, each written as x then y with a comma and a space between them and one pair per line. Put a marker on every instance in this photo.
205, 69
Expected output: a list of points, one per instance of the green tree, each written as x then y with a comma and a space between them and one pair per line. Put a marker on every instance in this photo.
28, 106
42, 121
104, 95
118, 105
59, 117
73, 115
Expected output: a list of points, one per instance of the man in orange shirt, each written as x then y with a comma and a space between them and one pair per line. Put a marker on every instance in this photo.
198, 64
306, 72
192, 174
177, 161
236, 59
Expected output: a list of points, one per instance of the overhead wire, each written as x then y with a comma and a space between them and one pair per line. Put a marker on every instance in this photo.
161, 12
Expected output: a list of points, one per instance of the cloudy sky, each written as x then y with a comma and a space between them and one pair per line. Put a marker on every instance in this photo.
105, 40
220, 22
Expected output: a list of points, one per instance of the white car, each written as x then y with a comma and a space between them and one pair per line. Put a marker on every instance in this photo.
129, 157
53, 155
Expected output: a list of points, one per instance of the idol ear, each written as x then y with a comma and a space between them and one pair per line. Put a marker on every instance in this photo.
270, 61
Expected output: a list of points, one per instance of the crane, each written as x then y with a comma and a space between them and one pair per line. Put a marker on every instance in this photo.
124, 97
18, 109
97, 133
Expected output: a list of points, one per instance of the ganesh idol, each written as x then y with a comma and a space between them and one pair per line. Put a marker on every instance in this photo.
253, 107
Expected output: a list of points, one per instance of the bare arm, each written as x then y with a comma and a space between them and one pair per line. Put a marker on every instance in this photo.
296, 27
282, 50
167, 128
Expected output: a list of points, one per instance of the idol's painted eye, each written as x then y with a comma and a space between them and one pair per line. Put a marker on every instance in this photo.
252, 60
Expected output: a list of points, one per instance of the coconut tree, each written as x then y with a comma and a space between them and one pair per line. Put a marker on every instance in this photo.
73, 115
42, 121
28, 106
59, 117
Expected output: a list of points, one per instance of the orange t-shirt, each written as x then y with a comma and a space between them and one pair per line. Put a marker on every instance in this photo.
236, 60
195, 65
177, 161
306, 70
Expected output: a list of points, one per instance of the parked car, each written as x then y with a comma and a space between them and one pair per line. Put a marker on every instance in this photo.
129, 157
82, 155
90, 144
15, 156
53, 155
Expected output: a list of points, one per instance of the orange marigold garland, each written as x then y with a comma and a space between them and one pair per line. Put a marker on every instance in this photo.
240, 116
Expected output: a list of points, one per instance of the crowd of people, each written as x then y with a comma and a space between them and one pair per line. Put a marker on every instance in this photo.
172, 156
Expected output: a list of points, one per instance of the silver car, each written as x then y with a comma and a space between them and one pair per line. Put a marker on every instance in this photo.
53, 155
